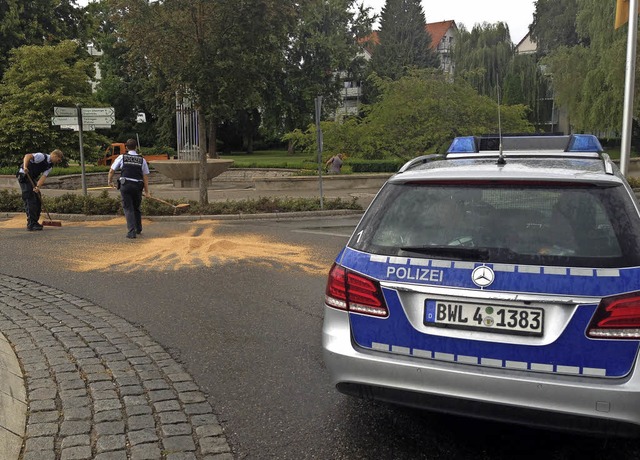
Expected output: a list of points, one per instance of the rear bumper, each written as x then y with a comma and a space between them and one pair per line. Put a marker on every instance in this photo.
577, 404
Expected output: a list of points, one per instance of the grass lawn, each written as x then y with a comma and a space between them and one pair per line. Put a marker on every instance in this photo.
272, 159
614, 152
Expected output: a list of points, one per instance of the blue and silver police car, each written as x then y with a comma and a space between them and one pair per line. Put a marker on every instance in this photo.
501, 281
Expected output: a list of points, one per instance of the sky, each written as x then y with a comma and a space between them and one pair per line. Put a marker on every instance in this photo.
518, 14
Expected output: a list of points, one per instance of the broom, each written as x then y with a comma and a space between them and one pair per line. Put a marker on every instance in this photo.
45, 223
176, 207
182, 206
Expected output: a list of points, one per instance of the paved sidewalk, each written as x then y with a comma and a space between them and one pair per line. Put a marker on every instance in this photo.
77, 382
90, 385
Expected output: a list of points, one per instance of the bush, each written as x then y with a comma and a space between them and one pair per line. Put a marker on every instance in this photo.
11, 201
70, 203
634, 182
103, 204
271, 205
375, 166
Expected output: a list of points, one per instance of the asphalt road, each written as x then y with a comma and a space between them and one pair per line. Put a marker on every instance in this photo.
240, 305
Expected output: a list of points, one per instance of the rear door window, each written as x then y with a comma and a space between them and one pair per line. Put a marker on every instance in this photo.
519, 223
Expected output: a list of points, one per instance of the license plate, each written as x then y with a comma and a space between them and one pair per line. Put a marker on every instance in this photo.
488, 318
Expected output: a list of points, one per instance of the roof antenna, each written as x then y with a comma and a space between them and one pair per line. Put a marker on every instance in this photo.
501, 160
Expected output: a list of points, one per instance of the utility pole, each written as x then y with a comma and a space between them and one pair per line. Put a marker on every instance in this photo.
629, 85
318, 102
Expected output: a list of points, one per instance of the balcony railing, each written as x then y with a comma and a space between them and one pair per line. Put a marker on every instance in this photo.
351, 92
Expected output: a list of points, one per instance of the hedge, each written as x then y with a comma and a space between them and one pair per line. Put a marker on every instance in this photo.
103, 204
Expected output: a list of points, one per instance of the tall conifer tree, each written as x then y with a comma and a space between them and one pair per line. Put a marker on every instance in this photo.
404, 42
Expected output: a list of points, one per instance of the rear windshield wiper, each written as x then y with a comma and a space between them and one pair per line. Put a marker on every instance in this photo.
450, 251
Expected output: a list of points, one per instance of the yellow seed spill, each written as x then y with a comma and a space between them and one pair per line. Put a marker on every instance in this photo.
199, 246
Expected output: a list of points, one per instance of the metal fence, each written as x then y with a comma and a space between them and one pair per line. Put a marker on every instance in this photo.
187, 129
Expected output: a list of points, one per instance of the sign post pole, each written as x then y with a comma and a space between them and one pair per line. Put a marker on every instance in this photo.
318, 104
84, 176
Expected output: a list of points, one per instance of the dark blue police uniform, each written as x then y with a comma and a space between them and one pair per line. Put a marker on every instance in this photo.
133, 167
32, 203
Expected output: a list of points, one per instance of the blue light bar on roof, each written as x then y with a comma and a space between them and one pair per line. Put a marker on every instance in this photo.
584, 143
463, 145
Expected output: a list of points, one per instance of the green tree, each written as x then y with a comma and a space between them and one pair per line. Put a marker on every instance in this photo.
38, 79
418, 114
525, 83
404, 42
36, 22
208, 52
483, 56
322, 44
588, 80
129, 87
554, 24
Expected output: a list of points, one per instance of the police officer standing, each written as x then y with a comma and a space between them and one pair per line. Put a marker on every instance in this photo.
134, 178
33, 172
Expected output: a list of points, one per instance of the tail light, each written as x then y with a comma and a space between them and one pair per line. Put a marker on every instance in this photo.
617, 318
355, 293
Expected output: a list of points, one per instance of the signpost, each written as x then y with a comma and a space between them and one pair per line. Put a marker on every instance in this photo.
318, 106
80, 124
83, 119
92, 118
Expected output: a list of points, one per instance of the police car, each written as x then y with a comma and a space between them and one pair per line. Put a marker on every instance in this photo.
501, 281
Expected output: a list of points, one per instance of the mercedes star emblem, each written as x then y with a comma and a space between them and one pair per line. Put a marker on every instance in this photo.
482, 276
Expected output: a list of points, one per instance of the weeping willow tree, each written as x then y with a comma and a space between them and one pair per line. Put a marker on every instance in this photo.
554, 25
588, 78
483, 56
525, 83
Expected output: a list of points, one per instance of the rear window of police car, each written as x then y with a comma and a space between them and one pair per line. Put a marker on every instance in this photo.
564, 225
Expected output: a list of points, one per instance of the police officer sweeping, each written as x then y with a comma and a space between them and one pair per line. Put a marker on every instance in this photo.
134, 178
33, 172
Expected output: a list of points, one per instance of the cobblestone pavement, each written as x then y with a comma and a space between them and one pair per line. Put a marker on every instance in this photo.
98, 387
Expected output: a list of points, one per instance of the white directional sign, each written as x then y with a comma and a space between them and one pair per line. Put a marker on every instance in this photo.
65, 112
98, 112
84, 127
64, 120
92, 118
99, 120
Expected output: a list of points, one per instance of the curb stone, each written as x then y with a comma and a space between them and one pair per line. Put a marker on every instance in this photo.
188, 218
13, 401
98, 387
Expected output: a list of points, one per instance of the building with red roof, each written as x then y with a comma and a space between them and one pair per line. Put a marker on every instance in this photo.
442, 39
